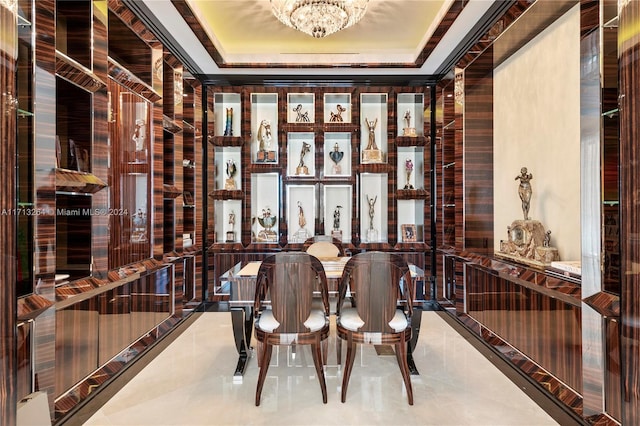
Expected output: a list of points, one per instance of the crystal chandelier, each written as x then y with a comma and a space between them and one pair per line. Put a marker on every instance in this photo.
319, 18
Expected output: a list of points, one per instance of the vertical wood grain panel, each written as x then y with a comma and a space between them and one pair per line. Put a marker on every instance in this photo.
545, 329
477, 156
8, 341
629, 63
44, 89
100, 147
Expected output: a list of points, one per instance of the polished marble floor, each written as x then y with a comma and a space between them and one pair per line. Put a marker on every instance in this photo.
191, 383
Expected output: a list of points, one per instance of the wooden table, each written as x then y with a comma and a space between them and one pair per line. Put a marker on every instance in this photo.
242, 288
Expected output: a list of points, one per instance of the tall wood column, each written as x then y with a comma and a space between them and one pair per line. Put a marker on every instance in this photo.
8, 107
629, 104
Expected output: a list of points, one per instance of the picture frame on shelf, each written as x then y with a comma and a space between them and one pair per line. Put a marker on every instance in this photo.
409, 233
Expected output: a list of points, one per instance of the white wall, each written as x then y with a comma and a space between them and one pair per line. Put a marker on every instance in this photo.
537, 125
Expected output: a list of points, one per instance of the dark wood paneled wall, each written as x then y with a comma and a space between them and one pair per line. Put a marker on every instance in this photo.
475, 196
8, 111
629, 103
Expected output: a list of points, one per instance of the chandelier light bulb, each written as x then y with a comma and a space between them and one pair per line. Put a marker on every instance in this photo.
319, 18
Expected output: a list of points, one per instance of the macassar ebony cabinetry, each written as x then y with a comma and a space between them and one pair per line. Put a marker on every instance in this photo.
287, 164
101, 253
509, 306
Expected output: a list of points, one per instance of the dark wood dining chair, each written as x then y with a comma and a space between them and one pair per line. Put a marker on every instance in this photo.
288, 280
382, 287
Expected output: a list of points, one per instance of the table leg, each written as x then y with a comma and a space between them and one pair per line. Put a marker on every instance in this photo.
242, 322
416, 317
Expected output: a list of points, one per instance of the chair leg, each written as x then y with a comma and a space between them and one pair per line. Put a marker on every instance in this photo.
317, 361
325, 351
348, 366
339, 350
259, 350
401, 356
264, 366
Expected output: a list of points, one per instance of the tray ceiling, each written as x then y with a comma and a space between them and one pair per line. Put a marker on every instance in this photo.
395, 37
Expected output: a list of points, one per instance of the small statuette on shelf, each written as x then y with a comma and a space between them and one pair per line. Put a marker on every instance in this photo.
139, 139
371, 154
408, 169
301, 117
336, 156
265, 153
230, 182
302, 233
524, 190
139, 222
527, 240
336, 117
408, 130
372, 233
267, 221
231, 233
302, 169
228, 128
58, 152
336, 232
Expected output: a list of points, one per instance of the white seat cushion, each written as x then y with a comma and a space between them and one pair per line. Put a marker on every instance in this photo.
350, 320
268, 322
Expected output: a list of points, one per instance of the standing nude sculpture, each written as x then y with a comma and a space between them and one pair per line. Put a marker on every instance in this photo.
372, 210
372, 133
524, 190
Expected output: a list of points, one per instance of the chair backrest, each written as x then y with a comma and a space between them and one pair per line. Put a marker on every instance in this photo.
378, 280
323, 250
323, 247
289, 278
